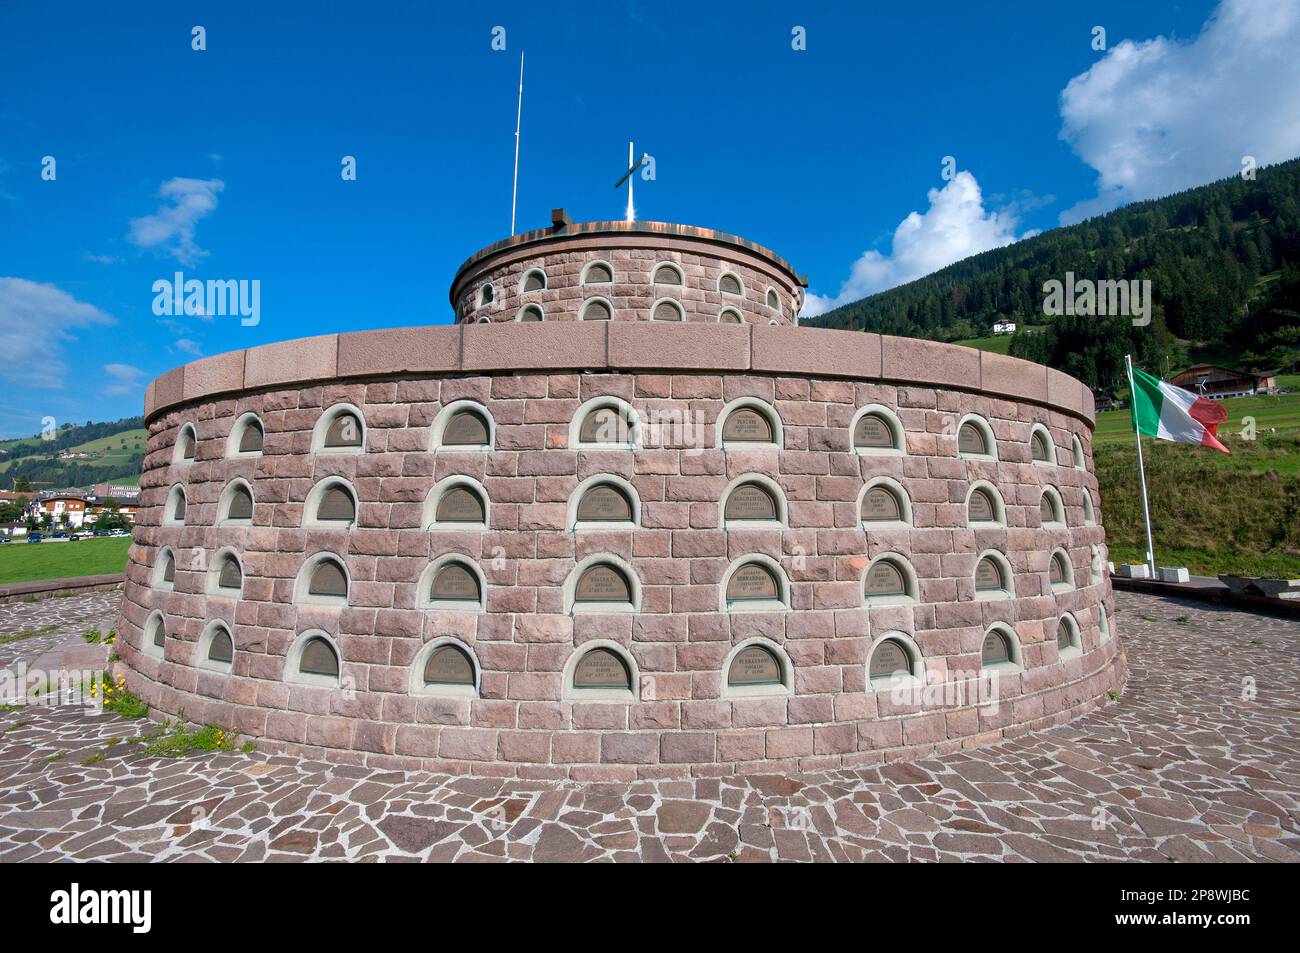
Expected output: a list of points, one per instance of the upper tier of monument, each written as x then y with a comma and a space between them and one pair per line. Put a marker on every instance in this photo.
626, 271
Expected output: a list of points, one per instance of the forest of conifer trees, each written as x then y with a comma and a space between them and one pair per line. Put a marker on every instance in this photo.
1223, 261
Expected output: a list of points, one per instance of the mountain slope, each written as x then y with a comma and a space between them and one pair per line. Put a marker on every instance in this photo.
1223, 261
112, 453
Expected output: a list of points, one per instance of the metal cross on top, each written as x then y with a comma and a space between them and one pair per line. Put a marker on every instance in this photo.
633, 165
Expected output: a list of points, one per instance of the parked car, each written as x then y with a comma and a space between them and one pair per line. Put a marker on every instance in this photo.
58, 536
34, 537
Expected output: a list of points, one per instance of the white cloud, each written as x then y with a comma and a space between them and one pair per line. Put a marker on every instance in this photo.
101, 259
123, 379
171, 228
955, 226
35, 321
189, 346
1162, 115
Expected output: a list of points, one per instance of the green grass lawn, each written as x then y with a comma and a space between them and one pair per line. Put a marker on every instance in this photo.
1210, 512
996, 343
1277, 430
24, 562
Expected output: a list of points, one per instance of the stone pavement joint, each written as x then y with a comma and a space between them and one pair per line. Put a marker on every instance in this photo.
1198, 761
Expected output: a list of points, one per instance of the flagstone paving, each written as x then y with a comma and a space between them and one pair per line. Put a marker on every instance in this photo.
1199, 760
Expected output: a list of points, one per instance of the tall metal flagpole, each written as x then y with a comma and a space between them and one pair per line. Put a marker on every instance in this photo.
519, 112
631, 212
1142, 473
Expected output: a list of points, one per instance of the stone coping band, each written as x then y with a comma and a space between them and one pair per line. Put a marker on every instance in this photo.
600, 346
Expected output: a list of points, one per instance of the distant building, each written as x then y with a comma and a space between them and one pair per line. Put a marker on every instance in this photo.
96, 506
81, 509
118, 491
13, 529
1103, 399
55, 505
1217, 383
1004, 327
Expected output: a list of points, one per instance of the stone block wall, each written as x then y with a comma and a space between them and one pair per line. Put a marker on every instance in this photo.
523, 716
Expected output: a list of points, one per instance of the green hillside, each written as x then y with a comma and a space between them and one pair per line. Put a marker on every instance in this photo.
1210, 512
996, 343
115, 451
1223, 261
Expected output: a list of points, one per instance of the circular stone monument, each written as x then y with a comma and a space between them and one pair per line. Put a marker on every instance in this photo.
622, 519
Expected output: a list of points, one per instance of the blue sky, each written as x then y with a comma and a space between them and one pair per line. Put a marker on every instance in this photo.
822, 154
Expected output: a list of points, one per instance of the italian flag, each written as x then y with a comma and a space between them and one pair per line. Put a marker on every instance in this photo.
1167, 412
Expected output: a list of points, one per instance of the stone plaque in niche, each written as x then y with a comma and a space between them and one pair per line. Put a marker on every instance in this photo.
448, 665
596, 311
336, 504
970, 440
885, 579
250, 441
880, 505
318, 658
981, 507
1057, 571
872, 431
754, 665
221, 648
465, 429
460, 505
327, 579
179, 512
344, 431
604, 425
888, 659
747, 426
455, 582
995, 648
601, 668
169, 570
241, 505
987, 575
604, 504
602, 584
1046, 512
749, 501
751, 582
230, 576
1064, 637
